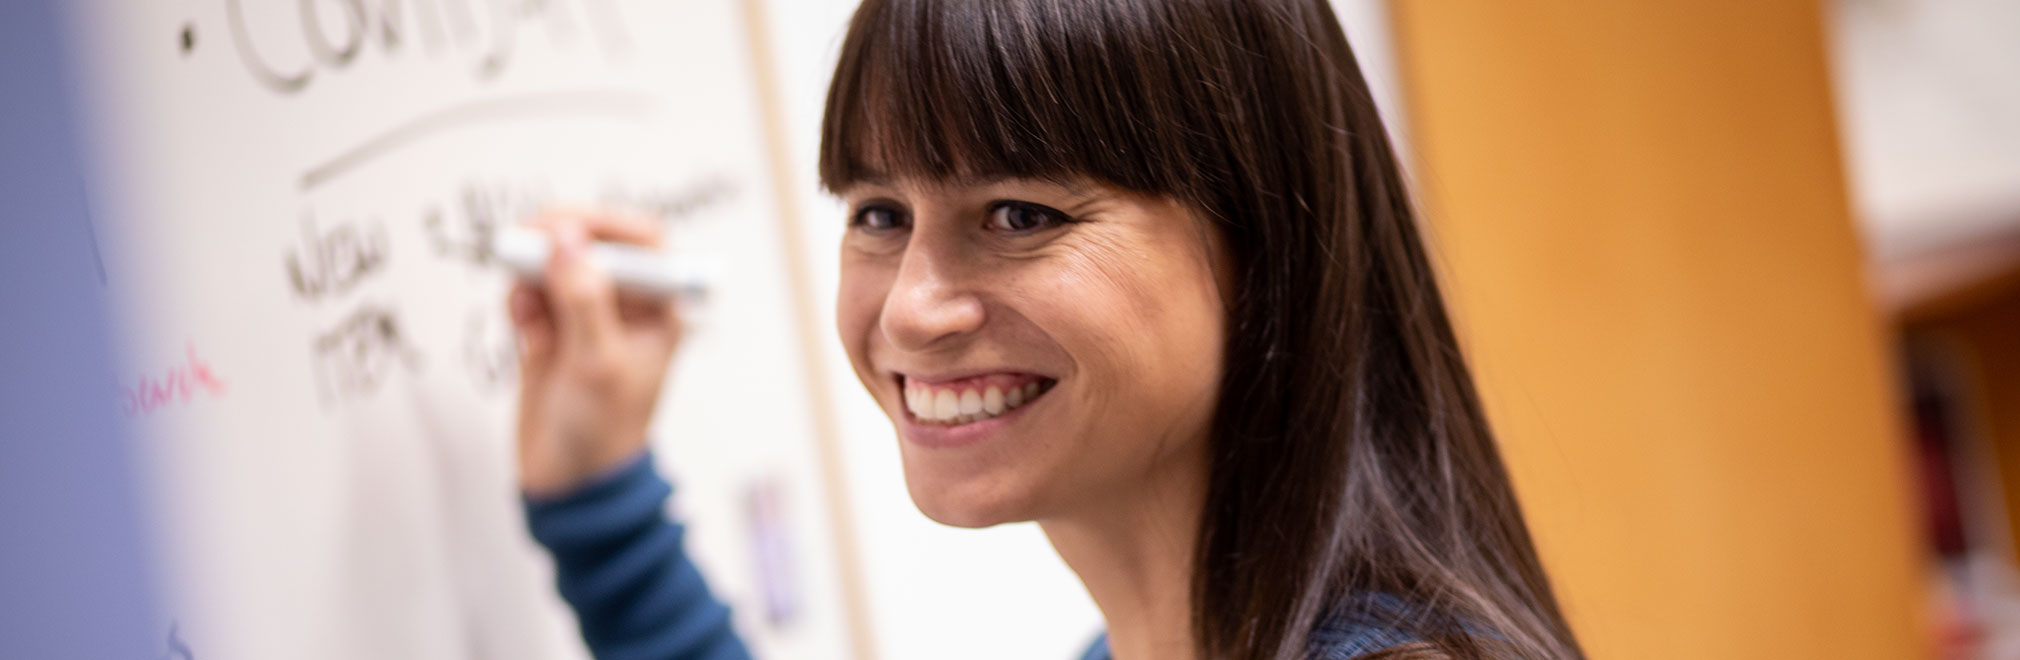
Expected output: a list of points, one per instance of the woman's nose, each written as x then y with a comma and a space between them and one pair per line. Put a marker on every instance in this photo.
932, 302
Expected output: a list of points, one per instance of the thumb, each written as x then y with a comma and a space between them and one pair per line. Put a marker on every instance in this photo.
580, 295
534, 323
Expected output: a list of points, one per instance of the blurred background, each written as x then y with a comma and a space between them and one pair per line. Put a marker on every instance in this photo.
1740, 281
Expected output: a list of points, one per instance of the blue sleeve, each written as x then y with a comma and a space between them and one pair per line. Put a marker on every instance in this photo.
1097, 650
622, 565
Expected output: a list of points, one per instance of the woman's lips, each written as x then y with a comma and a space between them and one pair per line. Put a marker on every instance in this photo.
967, 400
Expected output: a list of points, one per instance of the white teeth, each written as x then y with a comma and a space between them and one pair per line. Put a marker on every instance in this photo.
946, 405
954, 407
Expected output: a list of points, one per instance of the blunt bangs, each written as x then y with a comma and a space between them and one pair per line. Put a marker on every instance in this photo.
970, 91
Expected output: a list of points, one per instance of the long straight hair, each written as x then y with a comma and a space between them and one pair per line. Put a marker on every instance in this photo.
1350, 460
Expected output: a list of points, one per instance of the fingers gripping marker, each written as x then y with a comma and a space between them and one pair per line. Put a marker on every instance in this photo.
634, 269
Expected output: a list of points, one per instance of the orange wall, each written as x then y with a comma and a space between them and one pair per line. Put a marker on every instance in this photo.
1641, 212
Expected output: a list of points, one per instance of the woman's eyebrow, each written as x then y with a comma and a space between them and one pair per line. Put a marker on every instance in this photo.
863, 179
1077, 188
1072, 186
867, 176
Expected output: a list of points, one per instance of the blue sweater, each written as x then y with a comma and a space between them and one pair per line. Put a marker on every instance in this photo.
621, 564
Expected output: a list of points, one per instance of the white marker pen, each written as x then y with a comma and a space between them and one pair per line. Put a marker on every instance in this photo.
632, 268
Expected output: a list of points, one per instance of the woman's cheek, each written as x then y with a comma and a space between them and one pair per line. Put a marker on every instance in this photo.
1093, 309
1151, 323
859, 302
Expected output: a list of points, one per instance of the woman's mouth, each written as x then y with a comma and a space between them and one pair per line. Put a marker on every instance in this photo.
961, 401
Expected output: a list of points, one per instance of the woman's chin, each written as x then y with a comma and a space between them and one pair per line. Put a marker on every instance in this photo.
969, 503
963, 518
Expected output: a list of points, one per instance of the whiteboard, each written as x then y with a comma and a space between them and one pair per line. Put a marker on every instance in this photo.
290, 199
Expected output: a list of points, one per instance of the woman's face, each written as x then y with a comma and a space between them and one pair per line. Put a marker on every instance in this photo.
1038, 345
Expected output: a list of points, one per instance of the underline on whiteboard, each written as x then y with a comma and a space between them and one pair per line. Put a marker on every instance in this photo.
554, 104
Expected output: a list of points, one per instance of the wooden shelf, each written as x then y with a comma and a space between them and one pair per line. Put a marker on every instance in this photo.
1936, 282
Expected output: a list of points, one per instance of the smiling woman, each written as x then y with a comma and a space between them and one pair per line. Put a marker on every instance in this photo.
1142, 271
1098, 308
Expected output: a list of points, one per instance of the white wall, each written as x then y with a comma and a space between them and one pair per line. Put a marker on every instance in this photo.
1929, 107
938, 592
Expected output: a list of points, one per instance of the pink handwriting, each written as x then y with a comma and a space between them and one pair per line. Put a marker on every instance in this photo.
180, 385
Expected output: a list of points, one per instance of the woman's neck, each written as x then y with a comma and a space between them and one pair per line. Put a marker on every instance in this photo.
1134, 552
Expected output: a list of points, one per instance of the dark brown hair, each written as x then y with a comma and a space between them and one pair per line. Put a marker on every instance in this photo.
1349, 453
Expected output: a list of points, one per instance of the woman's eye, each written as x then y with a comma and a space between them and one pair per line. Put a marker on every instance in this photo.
878, 218
1024, 217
